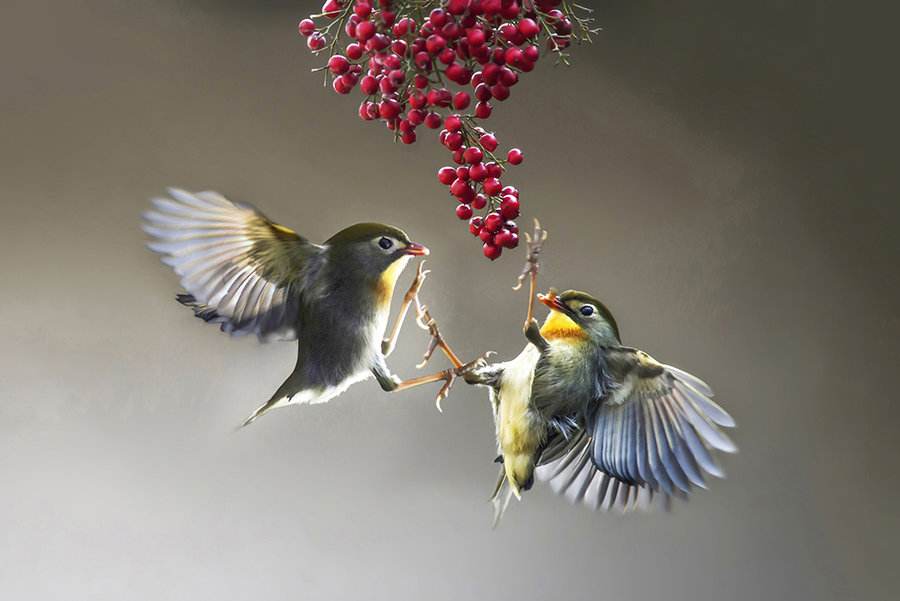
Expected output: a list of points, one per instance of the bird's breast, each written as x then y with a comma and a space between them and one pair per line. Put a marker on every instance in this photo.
384, 285
518, 429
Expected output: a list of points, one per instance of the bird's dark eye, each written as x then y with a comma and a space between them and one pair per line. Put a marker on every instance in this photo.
587, 310
385, 243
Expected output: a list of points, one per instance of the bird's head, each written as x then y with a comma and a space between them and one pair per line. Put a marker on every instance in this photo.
374, 252
578, 315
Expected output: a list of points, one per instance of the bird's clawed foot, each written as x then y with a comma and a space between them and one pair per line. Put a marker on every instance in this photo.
427, 322
413, 293
534, 245
464, 370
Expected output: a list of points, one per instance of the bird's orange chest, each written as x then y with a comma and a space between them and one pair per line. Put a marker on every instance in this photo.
384, 285
560, 326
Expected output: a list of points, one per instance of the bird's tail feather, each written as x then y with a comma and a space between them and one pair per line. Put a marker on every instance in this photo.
276, 401
503, 494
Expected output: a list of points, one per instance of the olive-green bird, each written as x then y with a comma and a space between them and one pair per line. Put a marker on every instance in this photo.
603, 423
253, 276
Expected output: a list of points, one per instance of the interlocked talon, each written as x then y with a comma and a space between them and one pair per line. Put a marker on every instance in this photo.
427, 322
449, 376
533, 245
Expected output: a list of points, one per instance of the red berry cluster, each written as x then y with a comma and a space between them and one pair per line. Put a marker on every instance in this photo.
406, 55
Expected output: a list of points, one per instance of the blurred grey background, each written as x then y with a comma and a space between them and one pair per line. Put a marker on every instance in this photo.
719, 173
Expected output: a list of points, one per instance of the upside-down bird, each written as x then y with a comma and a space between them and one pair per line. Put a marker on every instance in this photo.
252, 276
603, 423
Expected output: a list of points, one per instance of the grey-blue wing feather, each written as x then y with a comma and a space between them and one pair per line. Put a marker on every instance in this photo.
656, 426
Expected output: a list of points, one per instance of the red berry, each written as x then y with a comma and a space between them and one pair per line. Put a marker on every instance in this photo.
457, 7
494, 170
454, 140
509, 32
483, 110
369, 85
478, 172
440, 97
473, 155
514, 56
479, 202
564, 27
453, 123
422, 60
515, 156
354, 51
462, 173
506, 239
509, 207
363, 9
509, 191
475, 224
475, 36
464, 211
532, 53
500, 91
493, 222
508, 77
528, 28
485, 235
316, 41
307, 27
365, 113
331, 8
510, 10
461, 100
338, 64
432, 121
435, 43
417, 100
501, 238
492, 186
408, 137
447, 175
483, 92
458, 188
389, 108
490, 251
488, 142
340, 86
365, 30
387, 86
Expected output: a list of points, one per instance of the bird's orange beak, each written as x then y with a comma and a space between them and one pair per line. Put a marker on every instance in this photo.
551, 300
416, 249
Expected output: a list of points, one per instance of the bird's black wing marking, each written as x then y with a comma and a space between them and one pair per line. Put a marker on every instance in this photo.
240, 269
656, 425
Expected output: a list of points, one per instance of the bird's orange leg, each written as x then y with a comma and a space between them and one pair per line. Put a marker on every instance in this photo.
389, 343
427, 322
534, 246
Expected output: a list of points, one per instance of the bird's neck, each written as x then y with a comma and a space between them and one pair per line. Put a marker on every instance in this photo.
384, 285
559, 326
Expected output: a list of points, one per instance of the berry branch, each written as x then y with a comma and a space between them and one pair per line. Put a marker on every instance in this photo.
405, 55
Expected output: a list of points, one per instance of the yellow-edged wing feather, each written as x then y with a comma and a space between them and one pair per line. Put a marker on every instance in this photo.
240, 269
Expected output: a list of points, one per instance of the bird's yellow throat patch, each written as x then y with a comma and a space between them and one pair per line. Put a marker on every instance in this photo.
384, 288
560, 326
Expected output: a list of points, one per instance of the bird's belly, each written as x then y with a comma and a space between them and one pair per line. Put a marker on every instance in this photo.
518, 426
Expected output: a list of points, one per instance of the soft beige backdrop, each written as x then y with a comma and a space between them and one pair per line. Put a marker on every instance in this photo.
717, 173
